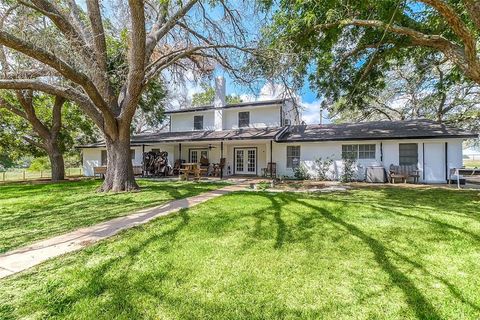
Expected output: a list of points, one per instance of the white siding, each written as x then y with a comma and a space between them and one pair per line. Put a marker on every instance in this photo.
260, 117
184, 121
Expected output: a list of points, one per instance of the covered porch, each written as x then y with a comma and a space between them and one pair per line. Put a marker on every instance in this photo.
235, 157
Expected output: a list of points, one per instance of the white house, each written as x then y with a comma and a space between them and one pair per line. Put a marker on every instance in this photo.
251, 135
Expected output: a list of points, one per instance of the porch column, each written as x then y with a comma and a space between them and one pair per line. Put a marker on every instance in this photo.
271, 159
179, 157
221, 157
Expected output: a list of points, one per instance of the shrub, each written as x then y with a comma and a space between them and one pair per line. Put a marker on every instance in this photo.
349, 169
39, 164
323, 168
301, 172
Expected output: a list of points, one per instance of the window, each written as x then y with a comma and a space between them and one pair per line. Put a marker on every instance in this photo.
198, 122
408, 153
286, 122
104, 158
243, 119
197, 154
358, 151
293, 156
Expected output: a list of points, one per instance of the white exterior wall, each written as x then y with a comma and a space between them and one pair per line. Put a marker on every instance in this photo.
289, 112
260, 117
181, 122
434, 158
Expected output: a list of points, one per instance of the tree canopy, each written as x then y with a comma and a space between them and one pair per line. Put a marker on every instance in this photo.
208, 95
345, 48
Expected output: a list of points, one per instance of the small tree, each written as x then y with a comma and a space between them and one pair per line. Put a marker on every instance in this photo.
349, 169
301, 172
323, 168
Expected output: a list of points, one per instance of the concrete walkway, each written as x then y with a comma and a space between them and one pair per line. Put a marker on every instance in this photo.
29, 256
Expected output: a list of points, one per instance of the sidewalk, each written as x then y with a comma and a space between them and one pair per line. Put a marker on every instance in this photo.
36, 253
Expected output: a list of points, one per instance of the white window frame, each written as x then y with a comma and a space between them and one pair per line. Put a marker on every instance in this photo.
292, 158
358, 149
195, 122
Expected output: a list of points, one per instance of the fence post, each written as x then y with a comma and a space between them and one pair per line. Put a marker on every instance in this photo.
41, 174
69, 172
24, 175
3, 176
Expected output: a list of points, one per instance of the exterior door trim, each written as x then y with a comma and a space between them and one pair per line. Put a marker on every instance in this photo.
235, 158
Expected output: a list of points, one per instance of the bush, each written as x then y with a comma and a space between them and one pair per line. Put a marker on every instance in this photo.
301, 172
349, 170
39, 164
323, 168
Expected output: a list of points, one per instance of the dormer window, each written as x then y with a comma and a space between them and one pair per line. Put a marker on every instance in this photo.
198, 122
243, 119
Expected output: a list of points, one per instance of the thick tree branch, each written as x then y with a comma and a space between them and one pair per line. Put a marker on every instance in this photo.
6, 105
57, 117
62, 67
136, 61
457, 25
473, 9
159, 33
68, 93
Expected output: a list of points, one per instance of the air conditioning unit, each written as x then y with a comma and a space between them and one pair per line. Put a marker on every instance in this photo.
286, 122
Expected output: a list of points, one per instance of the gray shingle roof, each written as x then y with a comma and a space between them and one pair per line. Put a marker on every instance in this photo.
373, 131
240, 134
233, 105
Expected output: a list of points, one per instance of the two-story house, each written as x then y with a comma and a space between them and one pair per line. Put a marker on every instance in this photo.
252, 134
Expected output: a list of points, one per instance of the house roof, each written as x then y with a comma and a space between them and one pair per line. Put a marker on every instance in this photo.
373, 131
240, 134
228, 106
376, 130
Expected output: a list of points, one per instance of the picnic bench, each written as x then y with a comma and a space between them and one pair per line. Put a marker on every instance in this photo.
403, 172
102, 170
192, 169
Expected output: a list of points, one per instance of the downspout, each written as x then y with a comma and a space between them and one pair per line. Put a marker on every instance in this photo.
143, 160
271, 159
446, 161
423, 161
381, 152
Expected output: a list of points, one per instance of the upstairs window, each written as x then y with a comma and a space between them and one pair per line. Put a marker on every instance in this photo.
358, 151
198, 122
293, 156
243, 119
408, 153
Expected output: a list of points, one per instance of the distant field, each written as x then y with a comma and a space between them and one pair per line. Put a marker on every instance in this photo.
24, 174
471, 163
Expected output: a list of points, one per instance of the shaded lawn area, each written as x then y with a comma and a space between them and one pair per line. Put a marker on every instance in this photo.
30, 212
379, 253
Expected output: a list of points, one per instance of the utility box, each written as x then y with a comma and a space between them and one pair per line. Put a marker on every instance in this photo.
376, 174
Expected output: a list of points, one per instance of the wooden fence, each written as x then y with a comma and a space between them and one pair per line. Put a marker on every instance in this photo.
26, 175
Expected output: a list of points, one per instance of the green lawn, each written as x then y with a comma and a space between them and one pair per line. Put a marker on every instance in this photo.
471, 163
380, 253
29, 212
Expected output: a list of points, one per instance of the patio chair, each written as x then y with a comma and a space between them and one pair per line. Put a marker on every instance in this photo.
217, 167
270, 170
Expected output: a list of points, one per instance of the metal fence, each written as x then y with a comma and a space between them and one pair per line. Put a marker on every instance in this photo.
25, 175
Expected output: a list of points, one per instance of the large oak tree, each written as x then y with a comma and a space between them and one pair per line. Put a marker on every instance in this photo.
72, 47
345, 48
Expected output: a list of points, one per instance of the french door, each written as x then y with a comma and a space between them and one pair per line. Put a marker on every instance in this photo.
197, 154
245, 160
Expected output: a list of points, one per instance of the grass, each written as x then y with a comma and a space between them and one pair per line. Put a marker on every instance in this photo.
30, 212
375, 253
25, 174
471, 163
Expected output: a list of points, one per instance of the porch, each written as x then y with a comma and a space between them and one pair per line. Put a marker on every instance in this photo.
241, 158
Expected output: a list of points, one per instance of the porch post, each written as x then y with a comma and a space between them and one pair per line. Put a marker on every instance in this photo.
271, 159
179, 157
143, 160
221, 157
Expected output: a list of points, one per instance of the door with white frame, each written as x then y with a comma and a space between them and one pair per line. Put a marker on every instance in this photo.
434, 161
245, 161
196, 154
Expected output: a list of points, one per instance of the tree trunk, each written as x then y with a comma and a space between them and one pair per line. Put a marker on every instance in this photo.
119, 176
56, 162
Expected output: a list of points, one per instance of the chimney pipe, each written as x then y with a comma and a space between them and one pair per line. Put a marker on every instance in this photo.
219, 102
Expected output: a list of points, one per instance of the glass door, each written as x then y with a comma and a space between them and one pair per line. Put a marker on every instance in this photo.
245, 161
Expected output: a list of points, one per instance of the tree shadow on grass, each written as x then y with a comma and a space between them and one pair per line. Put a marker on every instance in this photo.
119, 286
415, 299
